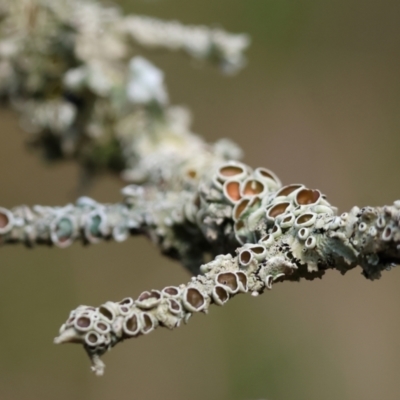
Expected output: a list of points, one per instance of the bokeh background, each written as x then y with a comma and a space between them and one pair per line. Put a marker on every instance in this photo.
319, 104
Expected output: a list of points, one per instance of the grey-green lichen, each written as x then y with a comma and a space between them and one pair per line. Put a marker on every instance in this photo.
290, 233
267, 232
72, 71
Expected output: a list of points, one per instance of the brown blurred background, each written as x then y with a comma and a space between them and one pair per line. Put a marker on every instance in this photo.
319, 104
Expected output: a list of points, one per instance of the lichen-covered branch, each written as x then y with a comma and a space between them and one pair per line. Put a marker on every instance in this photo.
73, 71
294, 235
87, 221
200, 42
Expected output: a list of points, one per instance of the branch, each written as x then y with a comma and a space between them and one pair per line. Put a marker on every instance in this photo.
288, 234
200, 42
87, 221
72, 70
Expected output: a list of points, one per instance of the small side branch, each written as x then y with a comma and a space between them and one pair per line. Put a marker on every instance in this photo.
201, 42
100, 329
87, 221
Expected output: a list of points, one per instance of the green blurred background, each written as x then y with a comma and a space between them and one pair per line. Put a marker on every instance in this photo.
319, 104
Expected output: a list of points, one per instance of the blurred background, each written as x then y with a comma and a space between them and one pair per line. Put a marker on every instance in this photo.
318, 103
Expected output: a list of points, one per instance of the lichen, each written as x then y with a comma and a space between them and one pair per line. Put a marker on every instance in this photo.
71, 69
